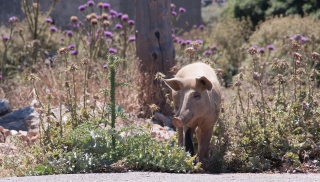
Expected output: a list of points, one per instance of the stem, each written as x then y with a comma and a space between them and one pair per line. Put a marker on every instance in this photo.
112, 96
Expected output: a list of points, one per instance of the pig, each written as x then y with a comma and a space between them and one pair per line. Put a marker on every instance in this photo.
196, 96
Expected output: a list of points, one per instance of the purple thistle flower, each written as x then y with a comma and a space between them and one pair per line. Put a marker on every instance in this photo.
182, 10
256, 47
172, 6
261, 50
188, 41
304, 39
49, 20
71, 47
90, 3
5, 38
106, 5
132, 38
62, 38
131, 22
105, 65
124, 17
108, 34
173, 13
74, 52
182, 42
82, 7
199, 41
208, 52
69, 33
176, 39
270, 47
53, 29
113, 12
214, 48
173, 36
119, 15
201, 27
112, 50
13, 19
0, 77
172, 30
118, 26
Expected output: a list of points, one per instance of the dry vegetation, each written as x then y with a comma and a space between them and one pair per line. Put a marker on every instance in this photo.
269, 118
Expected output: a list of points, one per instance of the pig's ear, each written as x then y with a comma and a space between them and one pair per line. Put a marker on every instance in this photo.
174, 83
204, 83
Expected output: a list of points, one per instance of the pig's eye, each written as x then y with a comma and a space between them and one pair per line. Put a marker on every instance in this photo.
196, 95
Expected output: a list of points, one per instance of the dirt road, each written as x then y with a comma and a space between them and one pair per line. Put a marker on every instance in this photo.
168, 177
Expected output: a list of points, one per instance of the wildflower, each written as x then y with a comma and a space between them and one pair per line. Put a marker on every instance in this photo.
104, 16
105, 65
295, 46
69, 33
315, 56
208, 52
71, 47
13, 19
73, 67
261, 50
85, 61
62, 38
113, 12
53, 29
189, 50
188, 41
124, 17
74, 19
82, 7
301, 71
172, 6
252, 50
195, 44
100, 5
49, 20
304, 39
106, 5
270, 47
154, 107
94, 21
256, 76
119, 15
201, 27
182, 10
112, 50
183, 43
199, 41
5, 38
297, 56
131, 22
90, 3
132, 39
176, 39
118, 26
108, 34
214, 48
173, 13
106, 23
74, 52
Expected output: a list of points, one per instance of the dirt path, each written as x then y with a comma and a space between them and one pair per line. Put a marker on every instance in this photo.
168, 177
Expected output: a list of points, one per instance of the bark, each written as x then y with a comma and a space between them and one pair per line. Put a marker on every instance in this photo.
155, 51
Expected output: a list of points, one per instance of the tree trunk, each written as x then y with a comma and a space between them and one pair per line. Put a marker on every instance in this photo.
155, 51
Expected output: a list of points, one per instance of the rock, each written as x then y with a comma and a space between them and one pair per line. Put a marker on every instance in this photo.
20, 119
162, 120
13, 132
4, 107
2, 138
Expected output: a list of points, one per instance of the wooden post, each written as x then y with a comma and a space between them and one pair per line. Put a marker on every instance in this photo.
155, 51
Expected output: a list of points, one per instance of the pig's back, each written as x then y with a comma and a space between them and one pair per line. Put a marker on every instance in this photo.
195, 70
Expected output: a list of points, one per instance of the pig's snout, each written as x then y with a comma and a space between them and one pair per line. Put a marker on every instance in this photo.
177, 122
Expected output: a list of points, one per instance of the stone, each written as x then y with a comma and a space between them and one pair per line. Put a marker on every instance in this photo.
4, 107
20, 119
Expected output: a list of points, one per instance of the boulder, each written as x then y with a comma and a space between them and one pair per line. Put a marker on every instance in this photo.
4, 107
21, 119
